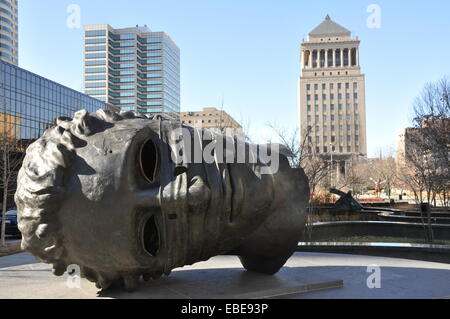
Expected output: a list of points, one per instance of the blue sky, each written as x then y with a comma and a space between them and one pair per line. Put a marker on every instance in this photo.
246, 53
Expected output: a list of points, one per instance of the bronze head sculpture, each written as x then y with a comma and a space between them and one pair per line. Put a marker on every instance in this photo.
117, 195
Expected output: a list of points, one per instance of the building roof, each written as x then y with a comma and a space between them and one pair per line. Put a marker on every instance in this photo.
329, 28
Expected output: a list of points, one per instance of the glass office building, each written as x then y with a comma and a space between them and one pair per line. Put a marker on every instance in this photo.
29, 104
9, 39
133, 68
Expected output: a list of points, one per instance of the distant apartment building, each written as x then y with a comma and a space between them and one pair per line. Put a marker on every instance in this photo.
432, 139
134, 69
9, 32
213, 119
332, 93
29, 104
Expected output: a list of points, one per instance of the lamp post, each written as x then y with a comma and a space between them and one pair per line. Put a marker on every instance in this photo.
331, 166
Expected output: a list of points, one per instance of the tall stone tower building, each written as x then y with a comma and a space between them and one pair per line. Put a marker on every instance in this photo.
332, 93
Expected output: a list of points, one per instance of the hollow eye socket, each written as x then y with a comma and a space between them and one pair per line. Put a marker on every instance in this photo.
150, 236
149, 160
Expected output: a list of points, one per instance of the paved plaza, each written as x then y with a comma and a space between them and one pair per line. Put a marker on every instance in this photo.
21, 276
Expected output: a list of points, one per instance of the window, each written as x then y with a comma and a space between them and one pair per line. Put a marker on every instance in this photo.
95, 85
95, 41
95, 33
95, 70
308, 97
308, 108
95, 62
308, 87
96, 48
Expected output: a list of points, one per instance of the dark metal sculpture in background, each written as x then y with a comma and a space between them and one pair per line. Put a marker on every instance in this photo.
102, 191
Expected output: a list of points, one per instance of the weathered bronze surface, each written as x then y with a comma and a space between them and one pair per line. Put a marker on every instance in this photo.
104, 192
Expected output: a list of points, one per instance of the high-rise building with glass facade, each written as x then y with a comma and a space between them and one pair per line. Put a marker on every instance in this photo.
134, 69
9, 30
29, 104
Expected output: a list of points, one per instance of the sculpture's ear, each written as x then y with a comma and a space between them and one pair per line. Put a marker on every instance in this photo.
82, 123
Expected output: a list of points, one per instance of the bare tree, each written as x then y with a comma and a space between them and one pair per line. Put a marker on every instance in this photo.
428, 153
385, 169
356, 177
302, 155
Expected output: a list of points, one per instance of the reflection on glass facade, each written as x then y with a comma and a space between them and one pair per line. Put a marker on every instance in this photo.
29, 103
9, 43
134, 69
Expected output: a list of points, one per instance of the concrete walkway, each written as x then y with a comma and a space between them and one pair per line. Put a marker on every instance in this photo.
21, 276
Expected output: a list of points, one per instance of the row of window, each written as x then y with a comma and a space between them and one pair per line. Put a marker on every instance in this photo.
95, 41
333, 149
5, 37
7, 21
6, 29
332, 96
332, 118
333, 139
332, 108
317, 128
6, 55
332, 85
6, 47
6, 3
7, 12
